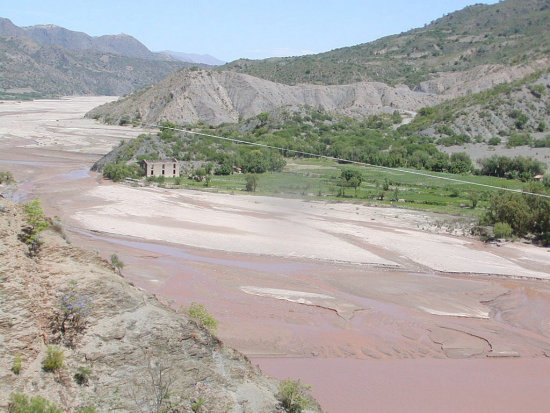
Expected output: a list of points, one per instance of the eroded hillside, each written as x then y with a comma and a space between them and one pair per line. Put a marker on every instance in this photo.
123, 352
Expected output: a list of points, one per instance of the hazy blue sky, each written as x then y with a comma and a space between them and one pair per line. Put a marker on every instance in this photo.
240, 28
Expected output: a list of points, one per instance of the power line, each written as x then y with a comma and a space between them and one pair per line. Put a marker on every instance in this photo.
388, 168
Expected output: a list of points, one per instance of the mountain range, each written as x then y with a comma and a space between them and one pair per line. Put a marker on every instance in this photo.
204, 59
48, 61
478, 76
466, 52
120, 44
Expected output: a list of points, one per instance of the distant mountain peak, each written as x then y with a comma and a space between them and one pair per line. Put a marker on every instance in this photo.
195, 58
45, 26
50, 34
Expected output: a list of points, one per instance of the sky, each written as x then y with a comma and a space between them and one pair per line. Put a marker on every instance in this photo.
229, 30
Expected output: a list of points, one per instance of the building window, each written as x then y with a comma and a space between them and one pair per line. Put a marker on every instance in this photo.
163, 171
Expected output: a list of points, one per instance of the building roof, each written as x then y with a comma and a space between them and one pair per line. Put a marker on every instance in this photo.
160, 161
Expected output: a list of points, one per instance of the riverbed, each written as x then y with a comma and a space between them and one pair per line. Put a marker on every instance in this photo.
364, 303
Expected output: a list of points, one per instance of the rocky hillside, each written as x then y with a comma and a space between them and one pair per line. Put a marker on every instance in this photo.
520, 108
214, 97
50, 61
190, 96
123, 349
509, 32
49, 34
30, 70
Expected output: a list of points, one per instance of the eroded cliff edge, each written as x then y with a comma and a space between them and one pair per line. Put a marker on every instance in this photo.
133, 345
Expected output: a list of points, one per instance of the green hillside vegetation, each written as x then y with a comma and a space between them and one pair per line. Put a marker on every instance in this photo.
510, 32
373, 141
512, 111
305, 131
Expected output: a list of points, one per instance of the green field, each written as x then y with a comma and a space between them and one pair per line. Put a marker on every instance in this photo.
319, 179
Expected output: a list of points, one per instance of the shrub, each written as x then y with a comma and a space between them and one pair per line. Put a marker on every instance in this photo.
542, 143
520, 118
537, 90
519, 140
199, 313
38, 222
293, 396
35, 215
120, 170
71, 312
117, 263
82, 375
224, 169
494, 141
6, 177
474, 198
20, 403
54, 359
502, 230
16, 364
197, 404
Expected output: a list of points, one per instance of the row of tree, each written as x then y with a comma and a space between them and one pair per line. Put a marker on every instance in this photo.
524, 213
519, 167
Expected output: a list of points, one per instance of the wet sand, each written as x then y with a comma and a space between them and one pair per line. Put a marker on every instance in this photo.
307, 289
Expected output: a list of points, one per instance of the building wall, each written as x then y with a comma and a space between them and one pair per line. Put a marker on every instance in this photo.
168, 169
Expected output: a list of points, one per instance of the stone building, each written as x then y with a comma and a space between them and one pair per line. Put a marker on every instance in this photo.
167, 168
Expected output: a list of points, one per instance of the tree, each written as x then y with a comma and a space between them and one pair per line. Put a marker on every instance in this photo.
350, 178
251, 182
255, 162
512, 209
460, 163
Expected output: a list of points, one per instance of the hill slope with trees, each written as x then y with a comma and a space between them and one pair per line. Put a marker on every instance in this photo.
509, 32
